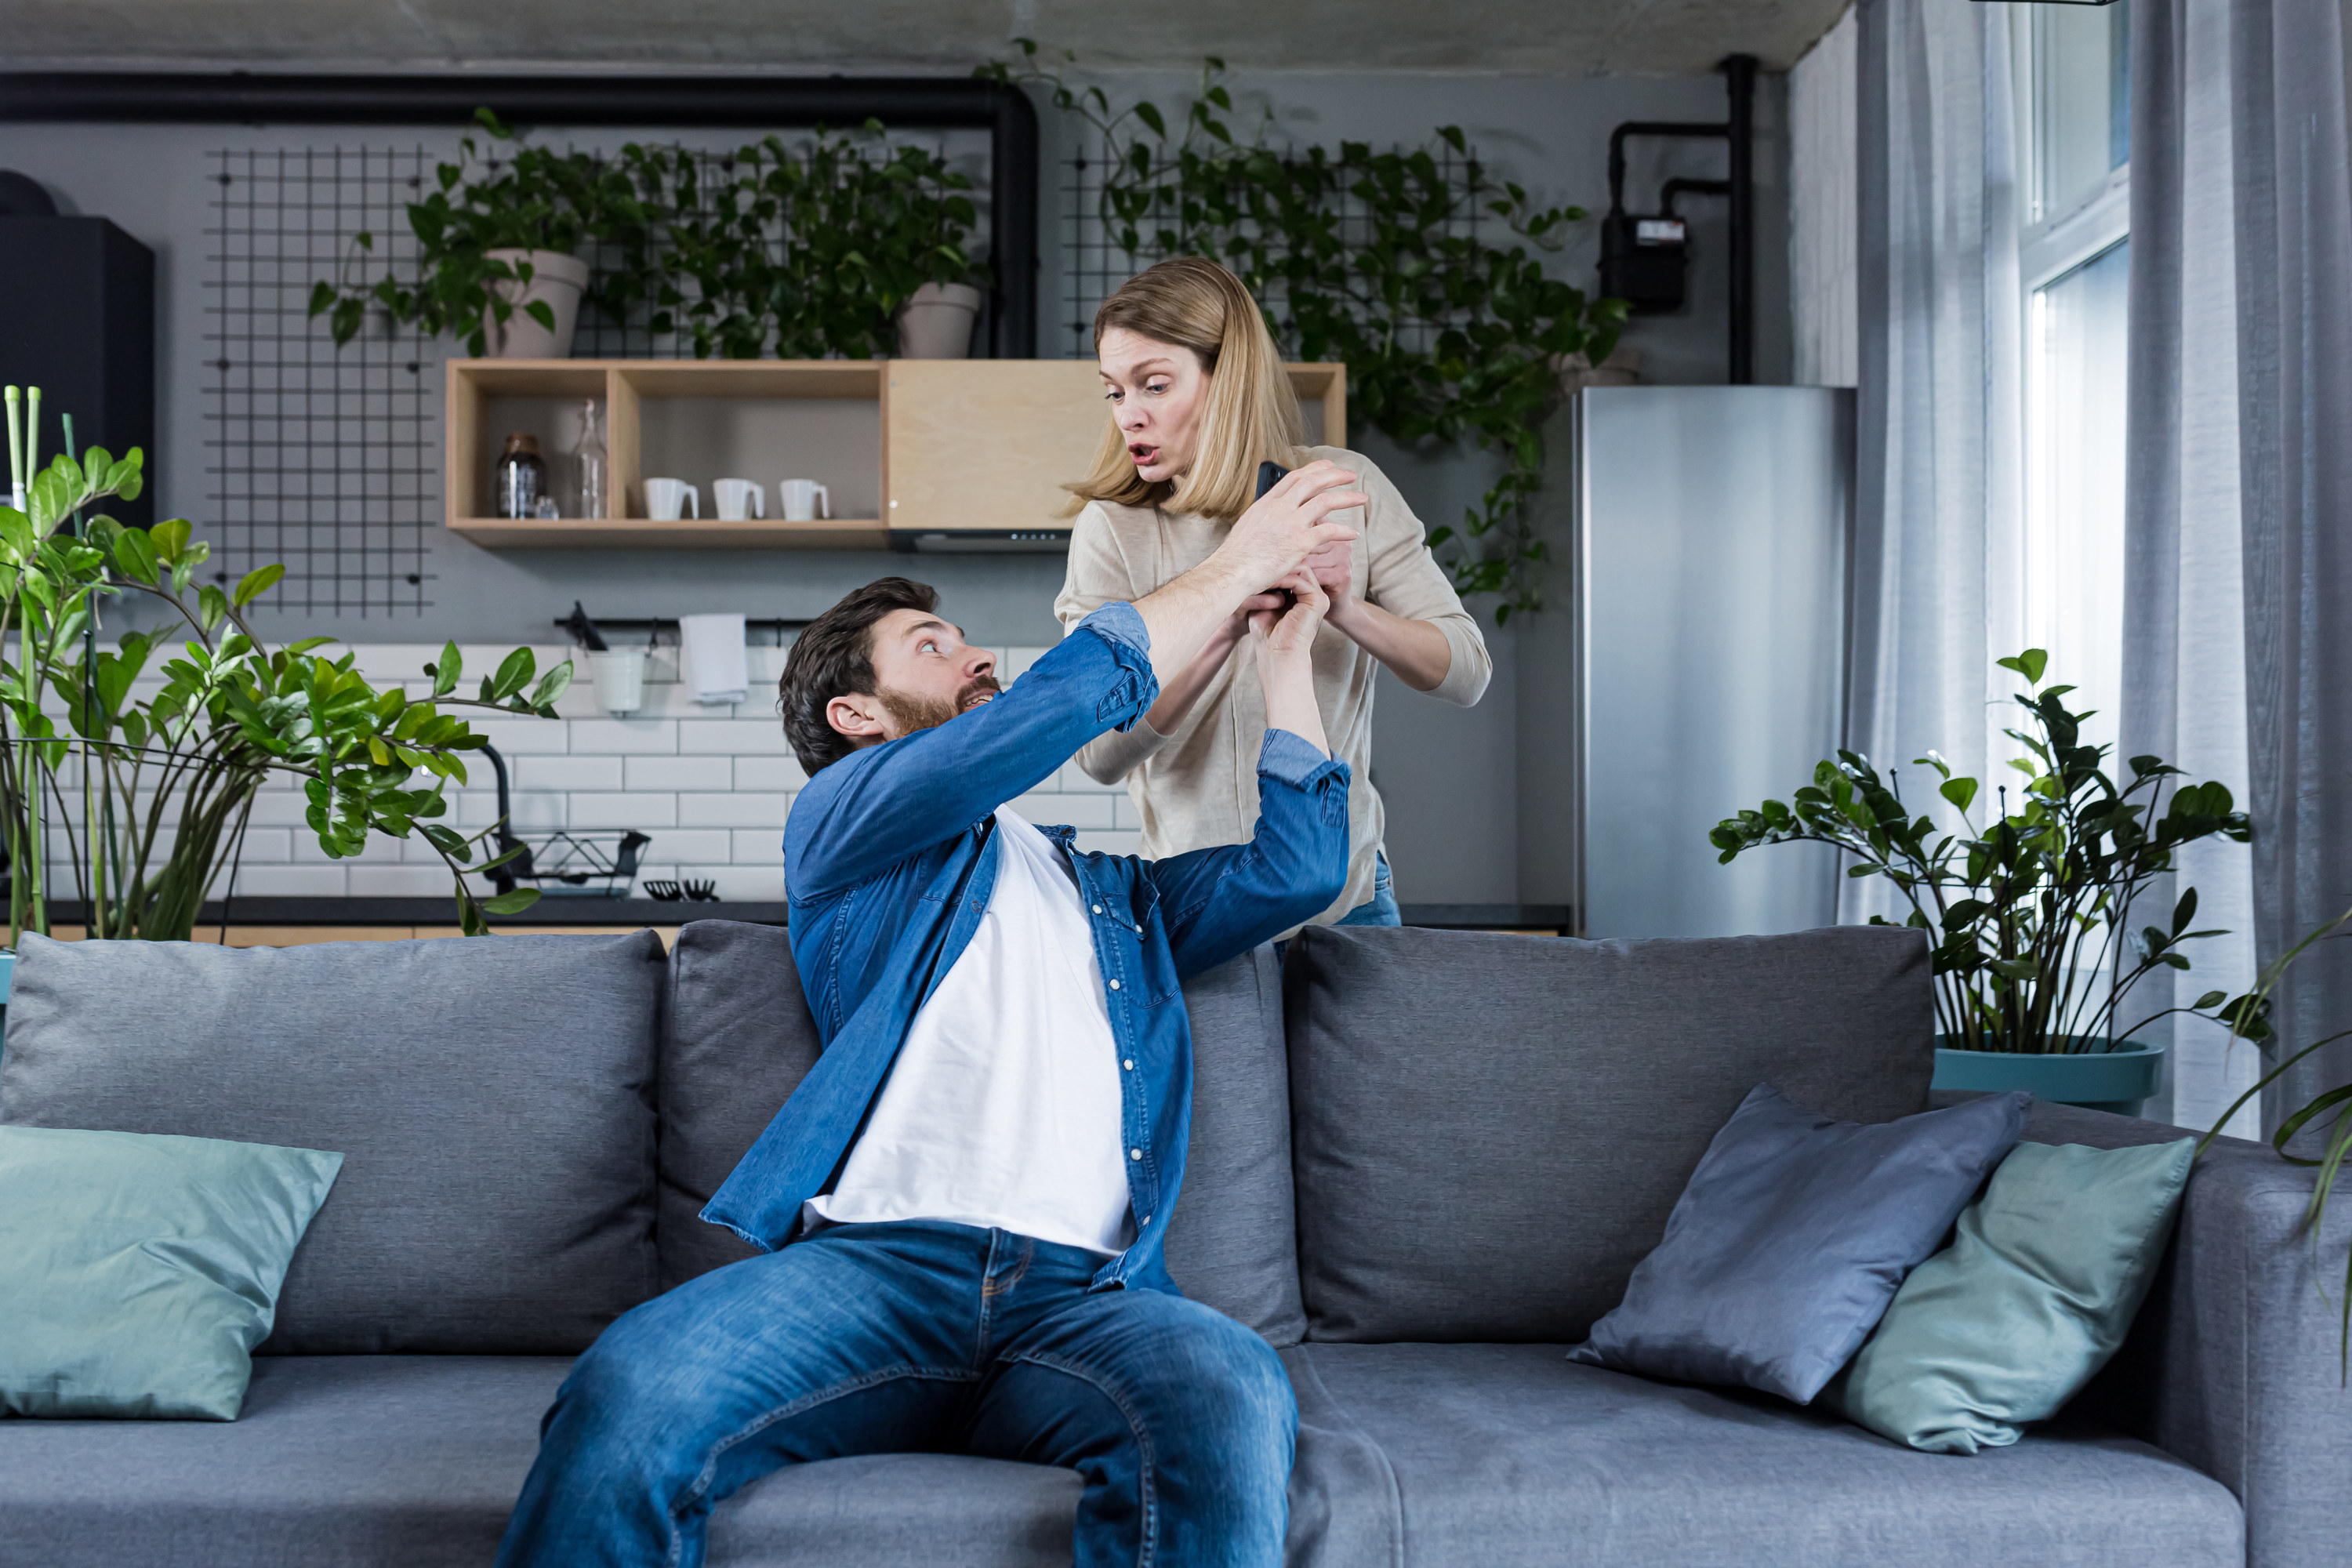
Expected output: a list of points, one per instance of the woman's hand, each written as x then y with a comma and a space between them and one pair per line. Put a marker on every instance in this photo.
1284, 642
1291, 520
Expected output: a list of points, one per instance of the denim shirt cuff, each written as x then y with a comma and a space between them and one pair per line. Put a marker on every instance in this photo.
1120, 622
1290, 758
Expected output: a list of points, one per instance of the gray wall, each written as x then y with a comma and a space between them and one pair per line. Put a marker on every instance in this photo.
1474, 797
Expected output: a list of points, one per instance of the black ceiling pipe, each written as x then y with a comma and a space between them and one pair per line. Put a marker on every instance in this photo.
762, 103
1740, 72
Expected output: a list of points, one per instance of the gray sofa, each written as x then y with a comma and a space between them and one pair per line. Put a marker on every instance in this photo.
1423, 1162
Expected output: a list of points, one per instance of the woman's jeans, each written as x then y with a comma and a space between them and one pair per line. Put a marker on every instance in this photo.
1380, 909
918, 1336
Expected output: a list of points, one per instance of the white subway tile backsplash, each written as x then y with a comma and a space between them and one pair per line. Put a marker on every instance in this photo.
569, 772
277, 808
713, 787
729, 737
646, 811
758, 846
401, 882
778, 774
631, 737
524, 737
267, 845
674, 773
713, 846
735, 883
1065, 810
292, 881
751, 810
1074, 780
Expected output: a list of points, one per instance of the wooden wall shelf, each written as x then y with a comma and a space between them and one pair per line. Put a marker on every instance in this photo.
963, 453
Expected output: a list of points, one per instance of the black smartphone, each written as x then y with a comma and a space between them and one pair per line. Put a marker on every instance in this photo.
1269, 475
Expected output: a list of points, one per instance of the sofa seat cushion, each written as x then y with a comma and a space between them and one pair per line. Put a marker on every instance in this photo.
414, 1461
1507, 1455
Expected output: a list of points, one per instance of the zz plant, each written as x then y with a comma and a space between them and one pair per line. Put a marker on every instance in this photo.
2031, 908
1446, 337
168, 777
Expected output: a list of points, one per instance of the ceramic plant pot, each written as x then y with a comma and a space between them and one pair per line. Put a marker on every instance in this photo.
2116, 1076
936, 321
556, 280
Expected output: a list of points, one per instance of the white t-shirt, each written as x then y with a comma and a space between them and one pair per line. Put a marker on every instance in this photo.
1003, 1106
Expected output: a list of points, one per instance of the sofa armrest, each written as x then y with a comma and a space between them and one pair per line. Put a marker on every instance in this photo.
2233, 1365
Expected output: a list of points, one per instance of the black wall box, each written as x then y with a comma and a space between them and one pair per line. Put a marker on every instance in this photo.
79, 324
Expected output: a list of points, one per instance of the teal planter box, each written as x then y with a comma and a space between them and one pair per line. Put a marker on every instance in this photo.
2117, 1078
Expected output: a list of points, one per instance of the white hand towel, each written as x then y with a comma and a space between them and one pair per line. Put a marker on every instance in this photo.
710, 659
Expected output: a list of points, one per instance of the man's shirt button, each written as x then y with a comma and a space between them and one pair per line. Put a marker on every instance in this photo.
1098, 909
1128, 1063
1135, 1153
1114, 984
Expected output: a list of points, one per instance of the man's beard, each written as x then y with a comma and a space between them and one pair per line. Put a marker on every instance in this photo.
912, 713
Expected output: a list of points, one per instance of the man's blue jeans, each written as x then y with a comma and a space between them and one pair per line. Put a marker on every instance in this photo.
912, 1337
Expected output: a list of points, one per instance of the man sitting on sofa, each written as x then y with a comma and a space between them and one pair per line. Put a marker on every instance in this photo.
962, 1205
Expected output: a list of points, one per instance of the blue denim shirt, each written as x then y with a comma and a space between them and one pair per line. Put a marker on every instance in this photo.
889, 866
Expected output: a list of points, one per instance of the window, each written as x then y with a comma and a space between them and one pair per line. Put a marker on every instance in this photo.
2071, 82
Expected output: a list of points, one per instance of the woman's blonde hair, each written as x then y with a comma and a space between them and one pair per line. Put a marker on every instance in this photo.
1251, 416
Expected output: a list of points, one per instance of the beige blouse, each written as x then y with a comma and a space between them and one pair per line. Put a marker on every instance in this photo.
1198, 787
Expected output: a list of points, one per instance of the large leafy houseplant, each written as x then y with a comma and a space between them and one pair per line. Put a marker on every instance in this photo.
1372, 258
168, 777
767, 251
2031, 914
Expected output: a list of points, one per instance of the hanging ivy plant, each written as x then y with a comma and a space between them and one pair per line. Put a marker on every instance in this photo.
1446, 336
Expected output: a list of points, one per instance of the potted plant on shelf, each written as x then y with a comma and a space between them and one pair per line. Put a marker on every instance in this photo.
845, 247
168, 777
498, 247
2031, 915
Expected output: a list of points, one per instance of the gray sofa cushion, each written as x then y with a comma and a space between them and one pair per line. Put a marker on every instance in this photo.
1511, 1457
1489, 1131
1793, 1236
493, 1099
414, 1461
736, 1039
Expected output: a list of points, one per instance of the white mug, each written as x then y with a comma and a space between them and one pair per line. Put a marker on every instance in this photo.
739, 498
666, 498
805, 500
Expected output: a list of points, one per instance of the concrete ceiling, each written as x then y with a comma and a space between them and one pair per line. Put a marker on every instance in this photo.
1546, 36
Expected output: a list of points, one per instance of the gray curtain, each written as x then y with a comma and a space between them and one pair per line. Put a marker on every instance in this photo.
2239, 493
1939, 508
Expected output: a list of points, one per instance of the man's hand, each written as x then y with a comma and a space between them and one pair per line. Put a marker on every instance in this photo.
1290, 521
1284, 642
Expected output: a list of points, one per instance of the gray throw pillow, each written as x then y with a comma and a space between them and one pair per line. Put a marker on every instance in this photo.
1793, 1237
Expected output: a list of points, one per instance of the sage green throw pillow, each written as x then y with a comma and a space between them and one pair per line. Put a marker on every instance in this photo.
141, 1270
2038, 1289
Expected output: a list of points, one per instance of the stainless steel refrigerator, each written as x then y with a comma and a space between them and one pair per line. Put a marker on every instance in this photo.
1712, 528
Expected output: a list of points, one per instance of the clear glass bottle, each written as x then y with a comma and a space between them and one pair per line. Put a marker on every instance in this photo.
588, 467
520, 478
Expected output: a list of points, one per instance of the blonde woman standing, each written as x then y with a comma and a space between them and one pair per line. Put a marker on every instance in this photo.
1198, 399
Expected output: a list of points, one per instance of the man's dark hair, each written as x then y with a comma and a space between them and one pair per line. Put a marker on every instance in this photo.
834, 656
